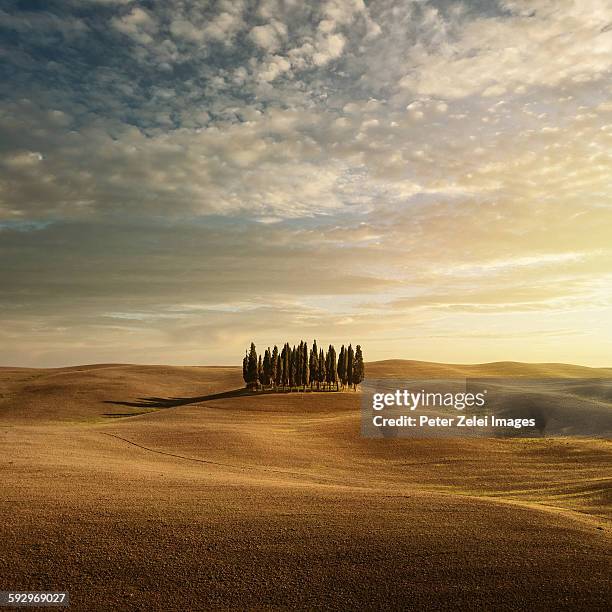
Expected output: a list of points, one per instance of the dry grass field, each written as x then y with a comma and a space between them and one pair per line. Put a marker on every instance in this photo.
161, 488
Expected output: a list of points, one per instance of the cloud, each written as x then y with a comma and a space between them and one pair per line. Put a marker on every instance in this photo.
185, 30
138, 24
273, 68
539, 43
422, 170
224, 26
44, 27
269, 36
328, 48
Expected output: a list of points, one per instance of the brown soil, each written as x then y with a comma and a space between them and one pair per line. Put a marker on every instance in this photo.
132, 488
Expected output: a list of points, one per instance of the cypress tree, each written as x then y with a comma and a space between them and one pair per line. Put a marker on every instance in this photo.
298, 364
292, 368
358, 367
290, 372
279, 371
314, 363
349, 363
321, 377
252, 374
274, 366
286, 365
333, 373
341, 366
245, 368
267, 367
305, 366
260, 372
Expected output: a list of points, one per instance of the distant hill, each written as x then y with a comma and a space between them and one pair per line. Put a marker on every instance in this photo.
406, 368
92, 392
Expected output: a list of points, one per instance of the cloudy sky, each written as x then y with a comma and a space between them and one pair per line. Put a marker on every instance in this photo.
429, 178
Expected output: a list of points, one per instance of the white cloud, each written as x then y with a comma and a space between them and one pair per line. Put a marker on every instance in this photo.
270, 36
273, 68
138, 24
224, 26
544, 42
328, 48
185, 30
342, 12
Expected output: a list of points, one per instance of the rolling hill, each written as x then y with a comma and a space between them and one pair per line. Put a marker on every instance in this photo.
158, 487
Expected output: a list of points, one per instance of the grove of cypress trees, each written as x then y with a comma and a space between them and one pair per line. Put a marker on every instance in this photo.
298, 367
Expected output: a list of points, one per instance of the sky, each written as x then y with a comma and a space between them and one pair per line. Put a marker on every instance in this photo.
431, 179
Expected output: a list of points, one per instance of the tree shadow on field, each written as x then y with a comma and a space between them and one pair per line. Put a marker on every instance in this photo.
171, 402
